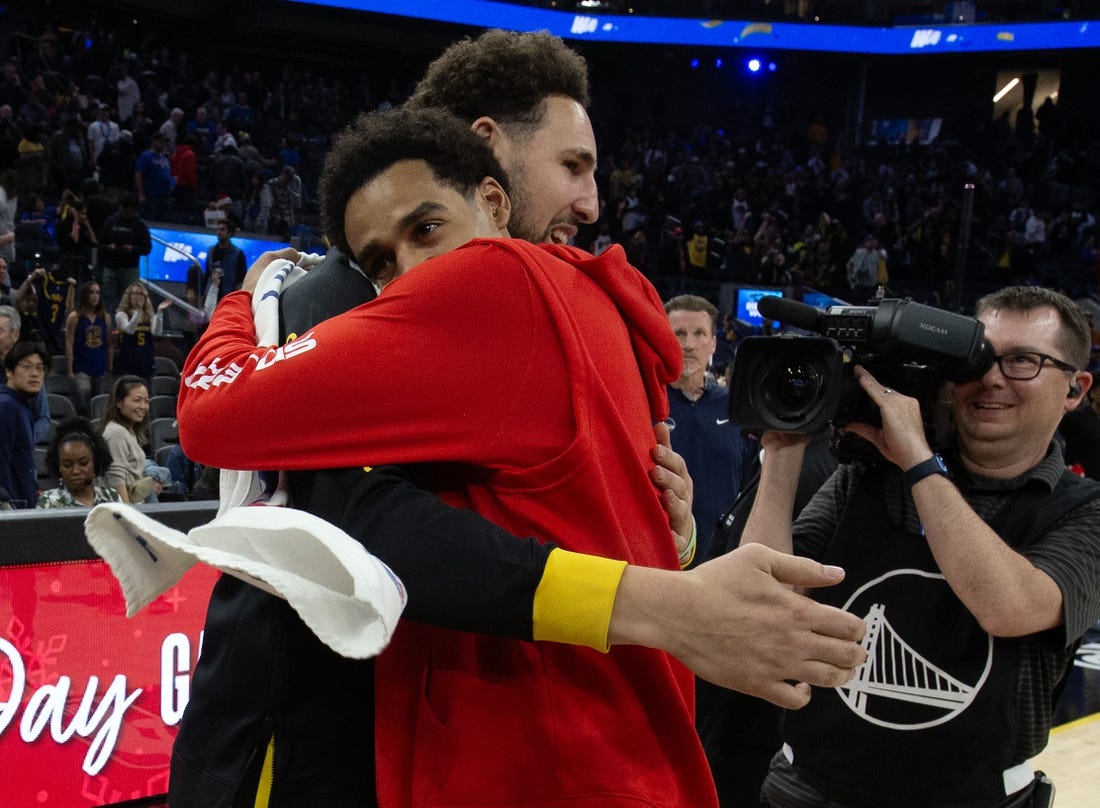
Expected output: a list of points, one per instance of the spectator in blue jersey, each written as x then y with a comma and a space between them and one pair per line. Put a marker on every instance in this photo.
44, 302
138, 322
154, 181
89, 347
713, 449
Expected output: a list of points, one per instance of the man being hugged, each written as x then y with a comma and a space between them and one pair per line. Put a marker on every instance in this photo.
549, 367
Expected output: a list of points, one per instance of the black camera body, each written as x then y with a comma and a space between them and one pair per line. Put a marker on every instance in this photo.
805, 383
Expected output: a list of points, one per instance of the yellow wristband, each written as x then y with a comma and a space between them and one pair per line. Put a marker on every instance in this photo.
574, 599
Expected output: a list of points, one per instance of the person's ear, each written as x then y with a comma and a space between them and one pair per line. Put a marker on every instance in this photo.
497, 202
1080, 385
488, 130
494, 137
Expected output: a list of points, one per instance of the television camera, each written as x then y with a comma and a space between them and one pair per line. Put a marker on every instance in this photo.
803, 383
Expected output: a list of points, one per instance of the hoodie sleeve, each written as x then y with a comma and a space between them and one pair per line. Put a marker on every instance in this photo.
429, 371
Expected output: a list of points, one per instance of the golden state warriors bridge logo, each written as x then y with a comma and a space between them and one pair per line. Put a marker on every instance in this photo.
914, 676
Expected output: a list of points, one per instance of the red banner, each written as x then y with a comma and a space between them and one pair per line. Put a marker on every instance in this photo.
90, 700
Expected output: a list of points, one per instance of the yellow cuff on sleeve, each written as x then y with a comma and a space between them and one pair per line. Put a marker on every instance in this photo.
573, 600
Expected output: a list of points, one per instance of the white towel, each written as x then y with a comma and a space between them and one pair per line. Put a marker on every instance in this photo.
248, 487
346, 596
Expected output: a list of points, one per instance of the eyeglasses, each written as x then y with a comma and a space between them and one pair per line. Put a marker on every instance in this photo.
35, 367
1024, 365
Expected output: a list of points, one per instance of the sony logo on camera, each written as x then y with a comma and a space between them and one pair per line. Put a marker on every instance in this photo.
804, 383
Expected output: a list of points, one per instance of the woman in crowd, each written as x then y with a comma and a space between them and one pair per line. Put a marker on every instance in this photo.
136, 478
89, 350
138, 323
79, 457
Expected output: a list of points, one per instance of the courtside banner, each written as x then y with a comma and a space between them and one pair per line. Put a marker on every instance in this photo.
90, 700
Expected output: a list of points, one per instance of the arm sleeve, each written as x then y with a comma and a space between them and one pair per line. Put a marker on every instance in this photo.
118, 473
460, 570
1070, 554
125, 322
41, 417
343, 389
817, 522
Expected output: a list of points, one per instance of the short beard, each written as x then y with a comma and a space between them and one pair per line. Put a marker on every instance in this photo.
518, 226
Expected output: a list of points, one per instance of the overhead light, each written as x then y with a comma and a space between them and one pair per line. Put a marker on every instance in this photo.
1006, 89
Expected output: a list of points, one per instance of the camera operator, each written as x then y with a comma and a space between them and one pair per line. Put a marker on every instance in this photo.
977, 570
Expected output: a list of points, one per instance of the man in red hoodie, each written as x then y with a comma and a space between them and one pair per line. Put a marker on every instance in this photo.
548, 367
185, 170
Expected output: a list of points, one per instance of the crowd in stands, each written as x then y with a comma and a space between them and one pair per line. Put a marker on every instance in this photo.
82, 123
82, 117
716, 204
94, 135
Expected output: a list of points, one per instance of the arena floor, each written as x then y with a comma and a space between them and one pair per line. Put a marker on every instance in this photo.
1070, 759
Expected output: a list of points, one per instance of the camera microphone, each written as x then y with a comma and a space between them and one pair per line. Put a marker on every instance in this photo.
789, 312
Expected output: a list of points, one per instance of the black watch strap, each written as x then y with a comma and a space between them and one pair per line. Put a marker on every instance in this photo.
933, 465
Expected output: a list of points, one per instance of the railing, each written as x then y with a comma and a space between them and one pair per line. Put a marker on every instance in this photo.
183, 304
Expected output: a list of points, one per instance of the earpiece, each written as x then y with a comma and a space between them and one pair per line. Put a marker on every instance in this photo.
1074, 390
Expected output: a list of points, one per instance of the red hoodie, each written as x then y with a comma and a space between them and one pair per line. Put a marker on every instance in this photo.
185, 167
529, 376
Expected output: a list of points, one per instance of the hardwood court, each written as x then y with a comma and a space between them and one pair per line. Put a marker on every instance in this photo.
1071, 758
1071, 761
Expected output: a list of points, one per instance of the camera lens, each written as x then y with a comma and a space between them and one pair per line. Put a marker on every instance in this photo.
786, 384
791, 389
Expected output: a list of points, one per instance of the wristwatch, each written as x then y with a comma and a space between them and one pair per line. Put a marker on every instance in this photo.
933, 465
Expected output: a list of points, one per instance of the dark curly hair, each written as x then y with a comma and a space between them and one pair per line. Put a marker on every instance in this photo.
504, 75
377, 140
78, 429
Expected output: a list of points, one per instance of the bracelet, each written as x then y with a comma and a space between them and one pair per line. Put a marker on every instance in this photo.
687, 555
